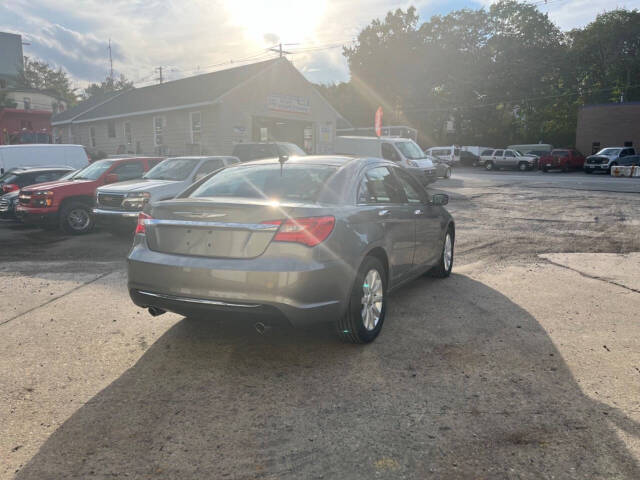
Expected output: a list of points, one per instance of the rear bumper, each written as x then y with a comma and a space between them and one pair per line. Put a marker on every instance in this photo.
303, 293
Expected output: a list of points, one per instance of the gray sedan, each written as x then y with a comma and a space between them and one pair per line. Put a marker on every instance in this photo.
314, 239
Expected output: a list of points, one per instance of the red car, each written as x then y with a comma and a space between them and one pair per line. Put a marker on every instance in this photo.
68, 203
563, 159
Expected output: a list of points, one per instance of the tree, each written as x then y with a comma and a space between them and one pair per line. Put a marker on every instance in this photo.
109, 84
40, 75
606, 56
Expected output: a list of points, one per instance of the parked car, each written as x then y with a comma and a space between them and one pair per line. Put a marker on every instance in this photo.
36, 155
17, 178
402, 151
508, 158
118, 204
449, 154
259, 150
469, 159
68, 203
485, 155
12, 181
609, 157
443, 169
317, 239
563, 159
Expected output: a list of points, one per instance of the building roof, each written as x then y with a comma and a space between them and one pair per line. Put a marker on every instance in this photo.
191, 91
83, 107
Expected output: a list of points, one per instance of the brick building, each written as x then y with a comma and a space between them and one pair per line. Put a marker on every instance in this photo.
608, 125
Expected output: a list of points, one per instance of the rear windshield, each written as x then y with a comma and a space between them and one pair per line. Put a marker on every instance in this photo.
560, 153
172, 169
93, 171
297, 183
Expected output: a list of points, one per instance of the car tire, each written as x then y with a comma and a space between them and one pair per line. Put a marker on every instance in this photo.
357, 325
445, 264
523, 166
76, 218
545, 169
488, 165
589, 171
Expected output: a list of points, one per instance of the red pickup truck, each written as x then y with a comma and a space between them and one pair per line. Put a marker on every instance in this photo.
563, 159
68, 203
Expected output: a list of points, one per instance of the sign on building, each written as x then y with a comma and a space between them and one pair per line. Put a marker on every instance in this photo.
288, 103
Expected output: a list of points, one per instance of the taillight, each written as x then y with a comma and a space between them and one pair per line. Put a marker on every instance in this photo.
141, 227
10, 187
309, 231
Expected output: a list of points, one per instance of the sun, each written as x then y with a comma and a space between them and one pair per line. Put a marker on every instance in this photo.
272, 21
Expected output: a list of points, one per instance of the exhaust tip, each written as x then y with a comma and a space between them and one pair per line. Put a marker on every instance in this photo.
261, 328
155, 311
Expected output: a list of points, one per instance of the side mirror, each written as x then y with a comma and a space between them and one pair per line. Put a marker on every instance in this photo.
111, 178
439, 199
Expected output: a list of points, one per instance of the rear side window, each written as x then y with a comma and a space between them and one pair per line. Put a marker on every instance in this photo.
297, 183
497, 153
380, 186
486, 153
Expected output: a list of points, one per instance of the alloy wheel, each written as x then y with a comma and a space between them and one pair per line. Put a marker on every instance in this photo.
78, 219
372, 298
447, 255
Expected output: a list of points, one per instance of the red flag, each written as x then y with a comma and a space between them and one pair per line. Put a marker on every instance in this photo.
378, 122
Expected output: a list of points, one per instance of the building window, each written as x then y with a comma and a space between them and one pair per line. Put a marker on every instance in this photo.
92, 134
158, 130
111, 129
27, 103
196, 127
127, 133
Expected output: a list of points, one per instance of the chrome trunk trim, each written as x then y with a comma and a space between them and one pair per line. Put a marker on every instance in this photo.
202, 301
253, 227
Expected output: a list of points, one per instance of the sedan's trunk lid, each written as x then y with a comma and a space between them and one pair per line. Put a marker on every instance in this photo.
218, 227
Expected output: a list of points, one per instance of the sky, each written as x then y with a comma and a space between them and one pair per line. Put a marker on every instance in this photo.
187, 37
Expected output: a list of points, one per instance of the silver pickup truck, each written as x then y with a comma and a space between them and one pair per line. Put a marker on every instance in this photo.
118, 205
507, 158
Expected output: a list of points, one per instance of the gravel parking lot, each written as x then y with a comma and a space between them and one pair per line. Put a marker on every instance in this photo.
525, 363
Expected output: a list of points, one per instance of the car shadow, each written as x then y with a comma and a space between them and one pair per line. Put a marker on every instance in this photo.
462, 383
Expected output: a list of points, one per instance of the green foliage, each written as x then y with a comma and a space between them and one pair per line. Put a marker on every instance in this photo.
39, 74
503, 75
109, 84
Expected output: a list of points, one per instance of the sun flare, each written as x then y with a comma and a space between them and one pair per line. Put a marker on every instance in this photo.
273, 21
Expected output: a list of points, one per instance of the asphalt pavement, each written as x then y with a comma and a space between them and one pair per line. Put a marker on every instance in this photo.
525, 363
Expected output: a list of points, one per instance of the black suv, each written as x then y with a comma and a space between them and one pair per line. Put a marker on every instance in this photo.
13, 180
259, 150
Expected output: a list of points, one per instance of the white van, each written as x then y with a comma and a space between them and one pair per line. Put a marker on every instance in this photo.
403, 151
42, 155
449, 154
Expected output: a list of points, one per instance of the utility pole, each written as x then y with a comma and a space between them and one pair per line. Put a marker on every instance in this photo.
159, 70
110, 62
278, 49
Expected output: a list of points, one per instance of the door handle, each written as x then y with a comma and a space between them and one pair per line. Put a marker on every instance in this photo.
418, 212
384, 213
